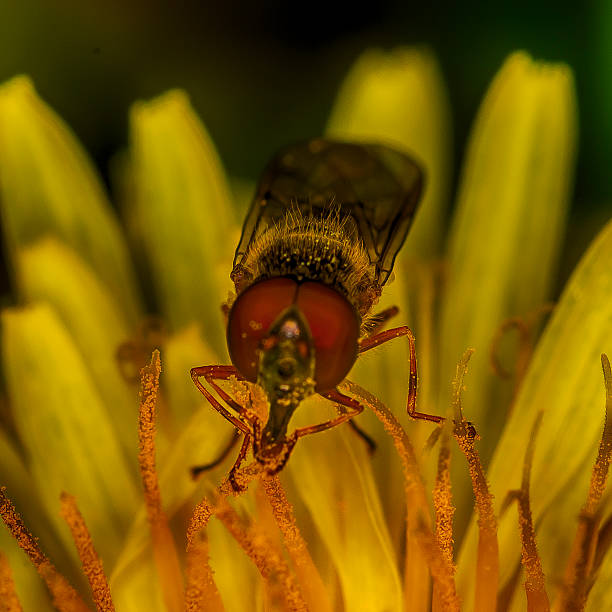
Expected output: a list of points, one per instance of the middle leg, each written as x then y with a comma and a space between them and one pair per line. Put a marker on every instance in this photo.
378, 339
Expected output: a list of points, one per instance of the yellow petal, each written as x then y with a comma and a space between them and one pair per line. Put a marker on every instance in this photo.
49, 187
52, 273
332, 475
183, 351
399, 97
183, 208
138, 588
64, 426
600, 597
565, 381
510, 217
15, 477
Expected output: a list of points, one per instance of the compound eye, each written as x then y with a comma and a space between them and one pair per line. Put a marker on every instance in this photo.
250, 317
334, 326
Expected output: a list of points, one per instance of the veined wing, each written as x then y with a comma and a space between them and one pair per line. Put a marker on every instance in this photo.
377, 187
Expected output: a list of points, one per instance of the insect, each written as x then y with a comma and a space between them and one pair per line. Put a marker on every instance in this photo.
318, 244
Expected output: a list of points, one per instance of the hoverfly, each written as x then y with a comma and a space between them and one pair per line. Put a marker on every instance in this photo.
317, 246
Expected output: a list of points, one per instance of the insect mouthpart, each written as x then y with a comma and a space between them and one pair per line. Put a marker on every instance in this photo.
286, 374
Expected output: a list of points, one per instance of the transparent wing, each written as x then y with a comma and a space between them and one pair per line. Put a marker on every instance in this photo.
377, 187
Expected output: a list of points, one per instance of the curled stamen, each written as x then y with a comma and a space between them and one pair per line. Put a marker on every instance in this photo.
524, 345
9, 602
132, 355
525, 327
65, 598
487, 565
164, 550
92, 565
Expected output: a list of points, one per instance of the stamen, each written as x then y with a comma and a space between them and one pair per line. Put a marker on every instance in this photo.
92, 565
269, 562
9, 602
525, 327
201, 592
444, 582
199, 520
307, 573
418, 517
164, 550
65, 598
443, 500
579, 567
487, 565
535, 588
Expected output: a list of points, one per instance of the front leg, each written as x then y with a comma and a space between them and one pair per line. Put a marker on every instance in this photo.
242, 421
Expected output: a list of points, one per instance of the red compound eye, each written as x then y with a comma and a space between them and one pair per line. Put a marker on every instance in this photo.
332, 320
252, 314
334, 326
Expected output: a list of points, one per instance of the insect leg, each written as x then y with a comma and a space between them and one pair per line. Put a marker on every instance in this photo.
196, 470
364, 436
221, 372
380, 318
236, 485
240, 422
354, 408
374, 341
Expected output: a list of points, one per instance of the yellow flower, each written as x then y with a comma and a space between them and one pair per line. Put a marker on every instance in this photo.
344, 531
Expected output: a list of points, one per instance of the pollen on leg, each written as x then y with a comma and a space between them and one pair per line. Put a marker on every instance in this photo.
585, 550
9, 602
65, 598
164, 550
487, 565
92, 565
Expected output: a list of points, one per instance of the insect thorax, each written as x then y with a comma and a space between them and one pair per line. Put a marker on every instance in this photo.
327, 250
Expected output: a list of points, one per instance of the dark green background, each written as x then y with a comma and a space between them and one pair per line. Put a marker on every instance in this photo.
262, 74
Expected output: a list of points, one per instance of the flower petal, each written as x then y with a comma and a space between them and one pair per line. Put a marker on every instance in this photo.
48, 186
344, 505
183, 351
564, 380
50, 272
183, 209
506, 233
64, 426
399, 97
16, 479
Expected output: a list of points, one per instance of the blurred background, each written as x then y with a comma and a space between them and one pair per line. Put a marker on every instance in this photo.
265, 73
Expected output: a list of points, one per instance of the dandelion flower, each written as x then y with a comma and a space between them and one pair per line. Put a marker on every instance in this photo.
510, 489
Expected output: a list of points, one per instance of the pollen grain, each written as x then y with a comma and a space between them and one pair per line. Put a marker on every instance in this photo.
91, 562
65, 598
164, 549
